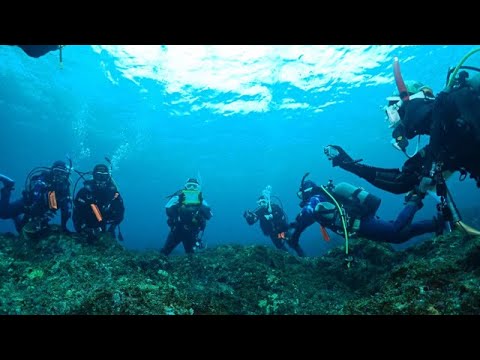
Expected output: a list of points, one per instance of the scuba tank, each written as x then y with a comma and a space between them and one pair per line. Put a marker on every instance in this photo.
356, 199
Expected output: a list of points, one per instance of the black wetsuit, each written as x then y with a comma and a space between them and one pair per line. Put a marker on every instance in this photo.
273, 224
107, 201
453, 123
186, 221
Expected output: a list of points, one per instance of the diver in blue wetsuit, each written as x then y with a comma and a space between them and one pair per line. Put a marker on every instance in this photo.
344, 207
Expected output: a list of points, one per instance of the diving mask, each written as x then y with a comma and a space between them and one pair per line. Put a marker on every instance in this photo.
101, 178
302, 192
262, 203
60, 174
192, 186
395, 104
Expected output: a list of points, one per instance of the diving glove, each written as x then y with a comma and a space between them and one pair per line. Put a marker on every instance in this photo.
337, 155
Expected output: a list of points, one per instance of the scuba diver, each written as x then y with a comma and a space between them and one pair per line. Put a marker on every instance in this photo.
273, 221
417, 166
46, 191
350, 210
452, 120
187, 213
98, 206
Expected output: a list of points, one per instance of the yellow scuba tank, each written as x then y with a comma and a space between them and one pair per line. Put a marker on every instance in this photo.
357, 200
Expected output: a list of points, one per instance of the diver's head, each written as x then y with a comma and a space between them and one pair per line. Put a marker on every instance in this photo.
101, 175
306, 190
192, 184
60, 172
262, 201
407, 127
413, 87
395, 109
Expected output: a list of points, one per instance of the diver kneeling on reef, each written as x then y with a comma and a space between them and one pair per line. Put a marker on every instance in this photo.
98, 206
47, 189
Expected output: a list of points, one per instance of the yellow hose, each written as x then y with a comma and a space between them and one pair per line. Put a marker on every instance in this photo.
342, 216
452, 78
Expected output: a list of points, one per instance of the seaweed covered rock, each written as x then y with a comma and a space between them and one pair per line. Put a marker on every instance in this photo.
60, 274
436, 277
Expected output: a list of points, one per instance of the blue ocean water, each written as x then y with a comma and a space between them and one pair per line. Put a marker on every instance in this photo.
239, 117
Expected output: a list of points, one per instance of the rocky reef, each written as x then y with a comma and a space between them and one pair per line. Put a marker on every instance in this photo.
61, 274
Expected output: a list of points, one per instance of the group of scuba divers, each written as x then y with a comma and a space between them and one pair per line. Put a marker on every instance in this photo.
97, 207
451, 119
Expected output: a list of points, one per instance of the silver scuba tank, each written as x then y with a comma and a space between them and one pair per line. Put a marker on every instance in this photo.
356, 199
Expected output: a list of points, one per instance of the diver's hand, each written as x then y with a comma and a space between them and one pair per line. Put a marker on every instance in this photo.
337, 155
248, 215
